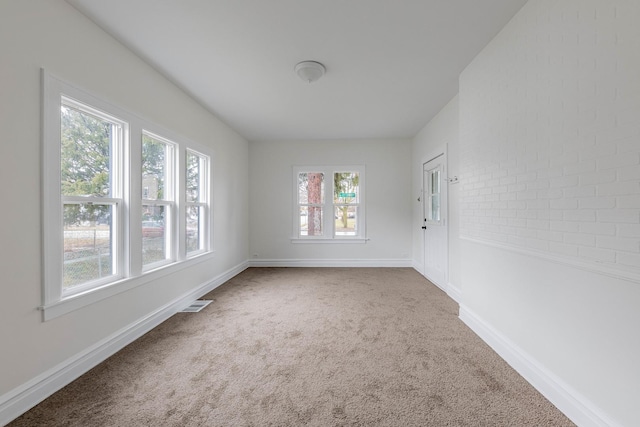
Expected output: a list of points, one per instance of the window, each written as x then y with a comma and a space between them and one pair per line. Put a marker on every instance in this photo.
196, 202
91, 145
329, 205
432, 214
119, 209
158, 207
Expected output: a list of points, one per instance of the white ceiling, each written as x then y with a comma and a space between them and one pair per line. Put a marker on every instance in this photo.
391, 64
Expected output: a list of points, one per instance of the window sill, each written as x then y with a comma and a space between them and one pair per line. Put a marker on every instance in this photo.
340, 241
83, 299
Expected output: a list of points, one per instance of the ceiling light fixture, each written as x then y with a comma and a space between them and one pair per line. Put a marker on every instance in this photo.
310, 71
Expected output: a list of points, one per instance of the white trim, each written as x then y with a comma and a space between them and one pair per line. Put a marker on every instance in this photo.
594, 266
328, 206
441, 153
22, 398
129, 272
454, 293
338, 240
417, 266
575, 406
330, 263
93, 295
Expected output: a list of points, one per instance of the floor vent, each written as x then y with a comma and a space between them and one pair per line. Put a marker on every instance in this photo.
197, 305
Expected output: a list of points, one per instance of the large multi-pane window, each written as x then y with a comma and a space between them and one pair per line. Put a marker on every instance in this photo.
117, 203
329, 203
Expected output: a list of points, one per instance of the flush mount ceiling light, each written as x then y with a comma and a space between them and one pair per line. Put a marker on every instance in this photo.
310, 71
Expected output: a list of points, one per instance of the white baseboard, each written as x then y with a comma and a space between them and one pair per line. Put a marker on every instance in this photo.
575, 406
454, 293
26, 396
417, 267
330, 263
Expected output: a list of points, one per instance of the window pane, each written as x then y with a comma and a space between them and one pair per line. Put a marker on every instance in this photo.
154, 168
346, 187
88, 240
311, 221
435, 207
193, 178
311, 188
154, 246
434, 196
346, 220
435, 182
194, 224
86, 145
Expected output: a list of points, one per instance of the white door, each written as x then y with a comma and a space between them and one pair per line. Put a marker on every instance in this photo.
435, 221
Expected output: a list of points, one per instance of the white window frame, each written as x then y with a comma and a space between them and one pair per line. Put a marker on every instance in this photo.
128, 237
202, 203
169, 202
118, 174
329, 207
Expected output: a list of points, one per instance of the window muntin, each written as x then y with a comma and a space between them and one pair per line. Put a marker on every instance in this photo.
158, 200
342, 217
91, 147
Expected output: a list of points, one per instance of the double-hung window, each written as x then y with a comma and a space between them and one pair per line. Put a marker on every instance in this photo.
196, 206
329, 204
158, 200
92, 145
122, 202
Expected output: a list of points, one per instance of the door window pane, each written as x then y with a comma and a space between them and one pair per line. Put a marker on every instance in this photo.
433, 206
88, 241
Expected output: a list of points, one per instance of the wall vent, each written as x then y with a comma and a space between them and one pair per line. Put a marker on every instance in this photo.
197, 305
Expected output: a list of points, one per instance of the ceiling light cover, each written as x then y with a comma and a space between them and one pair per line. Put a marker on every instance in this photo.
310, 71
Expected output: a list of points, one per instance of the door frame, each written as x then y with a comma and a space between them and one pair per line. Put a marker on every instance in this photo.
433, 155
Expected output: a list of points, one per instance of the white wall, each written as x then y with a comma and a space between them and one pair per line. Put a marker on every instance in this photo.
438, 136
550, 197
387, 187
53, 35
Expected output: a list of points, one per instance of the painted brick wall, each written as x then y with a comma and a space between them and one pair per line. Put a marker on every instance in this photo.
550, 134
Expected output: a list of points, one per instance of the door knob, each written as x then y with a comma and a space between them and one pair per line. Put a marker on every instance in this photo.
424, 227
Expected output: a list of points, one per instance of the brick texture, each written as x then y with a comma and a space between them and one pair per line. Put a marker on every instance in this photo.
550, 133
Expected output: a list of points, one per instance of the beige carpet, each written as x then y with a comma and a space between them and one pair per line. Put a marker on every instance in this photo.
317, 347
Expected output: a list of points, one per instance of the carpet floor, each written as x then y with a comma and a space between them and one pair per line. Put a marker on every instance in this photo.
306, 346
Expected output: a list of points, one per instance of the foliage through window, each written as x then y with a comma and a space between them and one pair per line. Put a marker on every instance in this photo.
196, 201
112, 207
343, 216
90, 155
158, 207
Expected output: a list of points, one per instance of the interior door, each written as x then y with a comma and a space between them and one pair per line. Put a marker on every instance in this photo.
435, 221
